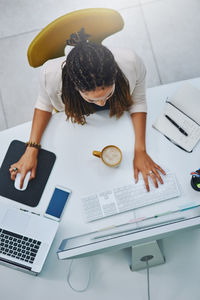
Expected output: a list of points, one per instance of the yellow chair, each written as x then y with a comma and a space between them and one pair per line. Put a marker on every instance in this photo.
51, 41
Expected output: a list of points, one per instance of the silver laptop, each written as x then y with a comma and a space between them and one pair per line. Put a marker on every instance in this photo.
25, 239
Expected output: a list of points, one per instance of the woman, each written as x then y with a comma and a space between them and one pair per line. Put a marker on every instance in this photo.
89, 79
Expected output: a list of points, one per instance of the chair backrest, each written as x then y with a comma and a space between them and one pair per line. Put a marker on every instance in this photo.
51, 41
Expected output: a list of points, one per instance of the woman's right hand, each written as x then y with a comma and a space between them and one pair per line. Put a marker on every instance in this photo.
28, 162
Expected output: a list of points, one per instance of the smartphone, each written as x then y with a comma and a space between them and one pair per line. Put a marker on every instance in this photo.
57, 203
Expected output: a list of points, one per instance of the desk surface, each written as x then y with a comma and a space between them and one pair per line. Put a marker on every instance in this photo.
77, 169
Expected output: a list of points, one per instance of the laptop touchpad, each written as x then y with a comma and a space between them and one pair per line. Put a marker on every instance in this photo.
15, 221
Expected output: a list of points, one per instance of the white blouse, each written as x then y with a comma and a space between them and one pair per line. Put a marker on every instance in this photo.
129, 62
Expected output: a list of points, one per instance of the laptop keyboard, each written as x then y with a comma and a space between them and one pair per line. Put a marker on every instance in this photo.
18, 246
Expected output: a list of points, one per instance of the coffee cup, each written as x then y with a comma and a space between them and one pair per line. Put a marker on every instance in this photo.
110, 155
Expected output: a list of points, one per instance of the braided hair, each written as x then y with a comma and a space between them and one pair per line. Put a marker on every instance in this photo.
90, 65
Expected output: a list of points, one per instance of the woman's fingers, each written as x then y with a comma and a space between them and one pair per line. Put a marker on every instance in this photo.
156, 173
160, 169
149, 169
145, 177
13, 172
153, 177
136, 175
33, 174
13, 175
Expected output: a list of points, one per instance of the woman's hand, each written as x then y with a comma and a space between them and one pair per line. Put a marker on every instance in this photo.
28, 162
143, 163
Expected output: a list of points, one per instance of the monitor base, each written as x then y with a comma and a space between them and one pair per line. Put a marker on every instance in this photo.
150, 249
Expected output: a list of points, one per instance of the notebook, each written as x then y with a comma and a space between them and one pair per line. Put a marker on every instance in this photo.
31, 196
25, 239
184, 109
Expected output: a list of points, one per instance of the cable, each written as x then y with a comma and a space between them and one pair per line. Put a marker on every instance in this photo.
146, 259
88, 282
148, 285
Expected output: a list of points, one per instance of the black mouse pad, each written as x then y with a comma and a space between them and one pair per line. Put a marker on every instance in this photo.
31, 196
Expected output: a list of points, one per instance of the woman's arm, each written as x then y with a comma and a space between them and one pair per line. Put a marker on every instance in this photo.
28, 161
142, 161
139, 124
40, 120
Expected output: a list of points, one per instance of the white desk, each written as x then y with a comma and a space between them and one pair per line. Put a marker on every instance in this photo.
77, 169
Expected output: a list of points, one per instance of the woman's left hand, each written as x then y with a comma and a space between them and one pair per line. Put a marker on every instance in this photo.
143, 163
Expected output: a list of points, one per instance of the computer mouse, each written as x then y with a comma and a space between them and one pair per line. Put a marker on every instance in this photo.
26, 180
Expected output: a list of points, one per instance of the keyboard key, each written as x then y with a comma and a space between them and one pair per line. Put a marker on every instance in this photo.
12, 234
34, 250
33, 254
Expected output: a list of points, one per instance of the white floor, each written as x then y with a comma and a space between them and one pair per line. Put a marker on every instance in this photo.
165, 33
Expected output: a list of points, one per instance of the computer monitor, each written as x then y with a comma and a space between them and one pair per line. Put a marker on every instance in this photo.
91, 243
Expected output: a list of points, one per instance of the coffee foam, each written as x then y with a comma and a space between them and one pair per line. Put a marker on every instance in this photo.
111, 155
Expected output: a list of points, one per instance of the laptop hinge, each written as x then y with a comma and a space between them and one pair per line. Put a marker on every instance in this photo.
15, 264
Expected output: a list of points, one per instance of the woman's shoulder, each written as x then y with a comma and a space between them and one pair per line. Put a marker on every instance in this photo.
52, 72
52, 75
54, 65
129, 62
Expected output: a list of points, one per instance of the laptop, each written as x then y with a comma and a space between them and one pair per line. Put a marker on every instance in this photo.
25, 239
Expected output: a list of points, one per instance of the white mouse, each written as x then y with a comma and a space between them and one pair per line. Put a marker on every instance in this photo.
25, 184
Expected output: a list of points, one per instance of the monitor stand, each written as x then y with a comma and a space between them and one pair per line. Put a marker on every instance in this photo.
150, 250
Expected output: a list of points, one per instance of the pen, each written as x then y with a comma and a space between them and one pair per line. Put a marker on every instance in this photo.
176, 125
139, 228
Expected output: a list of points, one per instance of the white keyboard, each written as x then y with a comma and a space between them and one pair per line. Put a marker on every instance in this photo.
124, 198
